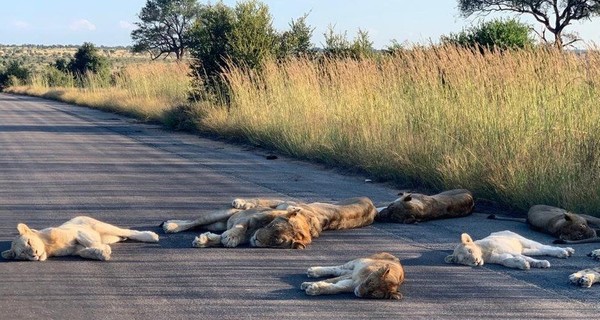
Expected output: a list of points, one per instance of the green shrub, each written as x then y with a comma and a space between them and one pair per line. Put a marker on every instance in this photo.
495, 34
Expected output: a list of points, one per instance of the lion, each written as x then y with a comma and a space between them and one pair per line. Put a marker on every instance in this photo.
276, 223
81, 236
416, 207
587, 277
506, 248
568, 227
378, 276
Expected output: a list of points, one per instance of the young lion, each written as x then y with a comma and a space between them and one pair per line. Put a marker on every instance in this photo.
82, 236
587, 277
378, 276
416, 207
275, 223
506, 248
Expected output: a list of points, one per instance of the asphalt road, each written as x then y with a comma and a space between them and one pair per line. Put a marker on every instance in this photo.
58, 161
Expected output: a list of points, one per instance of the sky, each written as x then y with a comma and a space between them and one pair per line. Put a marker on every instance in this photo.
109, 22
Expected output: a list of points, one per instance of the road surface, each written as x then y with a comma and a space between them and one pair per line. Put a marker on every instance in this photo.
58, 161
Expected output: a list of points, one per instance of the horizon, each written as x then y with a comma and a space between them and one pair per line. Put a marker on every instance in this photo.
403, 21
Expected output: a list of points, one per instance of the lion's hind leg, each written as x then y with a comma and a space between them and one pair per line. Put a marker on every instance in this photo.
585, 278
317, 272
211, 219
545, 250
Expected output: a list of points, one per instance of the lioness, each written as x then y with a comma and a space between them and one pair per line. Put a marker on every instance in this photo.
378, 276
416, 207
568, 227
82, 236
506, 248
587, 277
276, 223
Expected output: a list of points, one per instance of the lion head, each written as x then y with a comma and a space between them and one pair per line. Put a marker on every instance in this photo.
575, 228
291, 231
403, 210
27, 246
467, 253
380, 284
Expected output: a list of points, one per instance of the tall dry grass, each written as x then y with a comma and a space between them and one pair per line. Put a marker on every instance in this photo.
519, 127
145, 90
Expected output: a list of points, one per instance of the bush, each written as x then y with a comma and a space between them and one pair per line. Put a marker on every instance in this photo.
14, 74
495, 34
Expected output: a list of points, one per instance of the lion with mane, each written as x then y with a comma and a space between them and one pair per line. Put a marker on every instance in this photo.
276, 223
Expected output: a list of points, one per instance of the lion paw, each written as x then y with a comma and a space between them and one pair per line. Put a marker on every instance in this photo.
312, 272
582, 279
200, 241
540, 264
313, 289
566, 252
242, 204
305, 285
103, 253
230, 239
170, 226
595, 254
152, 236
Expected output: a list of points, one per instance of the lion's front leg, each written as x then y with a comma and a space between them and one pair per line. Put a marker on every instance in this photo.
234, 236
207, 239
510, 261
585, 278
330, 286
100, 252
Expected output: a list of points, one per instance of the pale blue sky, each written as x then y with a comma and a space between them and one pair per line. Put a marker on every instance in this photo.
109, 22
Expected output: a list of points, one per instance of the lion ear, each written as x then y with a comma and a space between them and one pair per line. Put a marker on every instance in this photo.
298, 245
8, 254
465, 238
407, 197
568, 216
449, 259
23, 229
384, 271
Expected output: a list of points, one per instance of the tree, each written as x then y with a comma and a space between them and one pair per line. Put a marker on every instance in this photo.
164, 27
88, 59
253, 38
495, 34
555, 15
296, 41
337, 44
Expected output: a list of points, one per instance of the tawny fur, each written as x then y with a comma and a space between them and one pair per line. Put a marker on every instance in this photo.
81, 236
275, 223
506, 248
378, 276
416, 207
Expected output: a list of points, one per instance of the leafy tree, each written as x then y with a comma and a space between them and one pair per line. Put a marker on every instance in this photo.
495, 34
296, 41
164, 27
253, 38
555, 15
88, 59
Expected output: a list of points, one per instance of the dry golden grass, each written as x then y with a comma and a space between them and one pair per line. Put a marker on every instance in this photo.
520, 127
145, 91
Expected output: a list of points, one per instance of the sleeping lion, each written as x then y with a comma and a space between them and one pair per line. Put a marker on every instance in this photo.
587, 277
417, 207
378, 276
275, 223
81, 236
506, 248
567, 226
